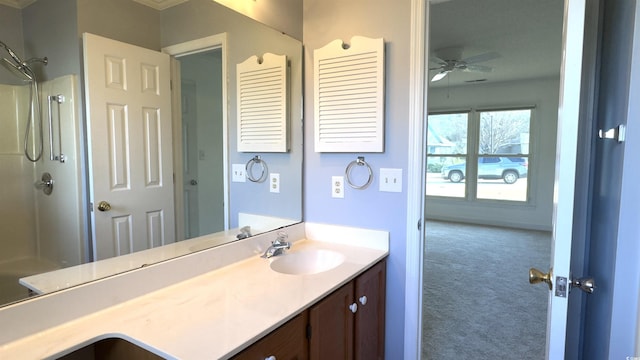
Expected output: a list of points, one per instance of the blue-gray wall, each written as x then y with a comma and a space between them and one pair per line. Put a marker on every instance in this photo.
10, 35
610, 328
323, 22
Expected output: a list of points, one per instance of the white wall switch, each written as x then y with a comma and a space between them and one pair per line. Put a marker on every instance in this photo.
274, 183
337, 187
238, 173
391, 180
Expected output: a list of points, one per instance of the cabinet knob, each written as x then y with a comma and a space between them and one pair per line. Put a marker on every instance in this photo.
353, 307
363, 300
270, 358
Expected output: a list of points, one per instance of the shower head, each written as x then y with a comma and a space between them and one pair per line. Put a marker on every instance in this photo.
18, 66
22, 71
12, 53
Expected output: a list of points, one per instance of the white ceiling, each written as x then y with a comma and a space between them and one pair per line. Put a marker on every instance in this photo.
526, 33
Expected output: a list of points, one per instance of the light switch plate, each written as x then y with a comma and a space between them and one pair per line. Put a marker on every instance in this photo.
274, 183
337, 187
391, 180
238, 173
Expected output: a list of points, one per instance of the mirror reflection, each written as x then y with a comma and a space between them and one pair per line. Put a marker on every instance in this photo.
54, 234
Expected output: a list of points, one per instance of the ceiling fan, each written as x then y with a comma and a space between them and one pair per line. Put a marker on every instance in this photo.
447, 64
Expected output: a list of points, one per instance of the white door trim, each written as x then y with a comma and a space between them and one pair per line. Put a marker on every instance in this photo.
217, 41
416, 181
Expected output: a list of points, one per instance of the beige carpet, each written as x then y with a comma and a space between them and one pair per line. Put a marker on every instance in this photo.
478, 303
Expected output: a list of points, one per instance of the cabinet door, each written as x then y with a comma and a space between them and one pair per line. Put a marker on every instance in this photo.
288, 342
332, 326
370, 290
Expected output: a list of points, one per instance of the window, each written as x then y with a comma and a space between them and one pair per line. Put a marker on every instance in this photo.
496, 170
446, 147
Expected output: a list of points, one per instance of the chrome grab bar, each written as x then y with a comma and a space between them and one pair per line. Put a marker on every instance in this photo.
59, 99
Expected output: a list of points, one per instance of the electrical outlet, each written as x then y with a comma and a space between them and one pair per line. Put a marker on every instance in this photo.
238, 173
274, 183
391, 180
337, 187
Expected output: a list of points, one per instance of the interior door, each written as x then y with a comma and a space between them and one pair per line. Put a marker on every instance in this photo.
565, 176
128, 103
190, 159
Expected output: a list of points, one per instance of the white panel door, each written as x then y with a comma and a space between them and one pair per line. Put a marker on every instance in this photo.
128, 103
565, 176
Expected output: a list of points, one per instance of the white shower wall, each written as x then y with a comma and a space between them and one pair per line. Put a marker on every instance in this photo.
17, 212
60, 238
46, 231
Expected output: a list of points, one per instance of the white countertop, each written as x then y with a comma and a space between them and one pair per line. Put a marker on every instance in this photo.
47, 282
213, 315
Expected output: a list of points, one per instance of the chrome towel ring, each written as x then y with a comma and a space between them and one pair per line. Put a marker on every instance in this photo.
249, 169
360, 162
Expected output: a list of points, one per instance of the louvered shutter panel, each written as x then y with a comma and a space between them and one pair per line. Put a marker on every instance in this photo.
262, 104
349, 96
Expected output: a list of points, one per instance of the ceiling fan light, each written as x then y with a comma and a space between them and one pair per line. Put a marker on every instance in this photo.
439, 76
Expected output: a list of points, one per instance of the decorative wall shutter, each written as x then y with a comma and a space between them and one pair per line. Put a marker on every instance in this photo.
262, 104
349, 96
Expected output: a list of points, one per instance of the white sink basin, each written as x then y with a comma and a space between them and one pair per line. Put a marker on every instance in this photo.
306, 262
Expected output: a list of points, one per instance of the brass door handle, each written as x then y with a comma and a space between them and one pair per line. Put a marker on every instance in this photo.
104, 206
536, 276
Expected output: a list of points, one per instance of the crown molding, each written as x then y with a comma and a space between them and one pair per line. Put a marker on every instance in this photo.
159, 4
156, 4
18, 4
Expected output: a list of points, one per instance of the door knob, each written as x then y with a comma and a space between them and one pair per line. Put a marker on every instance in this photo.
104, 206
585, 284
537, 276
193, 182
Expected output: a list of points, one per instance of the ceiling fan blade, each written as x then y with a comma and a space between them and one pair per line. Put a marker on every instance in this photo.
478, 68
481, 58
439, 76
436, 60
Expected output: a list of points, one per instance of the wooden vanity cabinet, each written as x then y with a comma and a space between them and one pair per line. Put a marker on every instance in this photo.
288, 342
349, 323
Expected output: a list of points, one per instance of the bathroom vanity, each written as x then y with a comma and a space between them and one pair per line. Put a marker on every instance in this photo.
239, 305
346, 324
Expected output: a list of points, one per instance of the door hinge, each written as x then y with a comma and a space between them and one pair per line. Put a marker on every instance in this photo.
617, 133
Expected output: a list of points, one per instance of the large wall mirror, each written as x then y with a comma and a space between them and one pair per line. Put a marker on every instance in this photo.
50, 239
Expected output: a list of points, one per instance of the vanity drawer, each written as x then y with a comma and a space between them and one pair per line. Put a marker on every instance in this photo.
288, 342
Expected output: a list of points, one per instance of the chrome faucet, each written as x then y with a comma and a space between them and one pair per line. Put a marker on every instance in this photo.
277, 246
245, 232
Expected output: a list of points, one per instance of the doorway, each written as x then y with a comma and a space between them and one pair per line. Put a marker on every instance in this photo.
202, 142
490, 175
200, 136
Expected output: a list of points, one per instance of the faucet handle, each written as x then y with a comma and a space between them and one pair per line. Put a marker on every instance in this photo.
282, 237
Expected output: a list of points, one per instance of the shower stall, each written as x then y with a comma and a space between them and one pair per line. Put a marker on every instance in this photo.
41, 227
